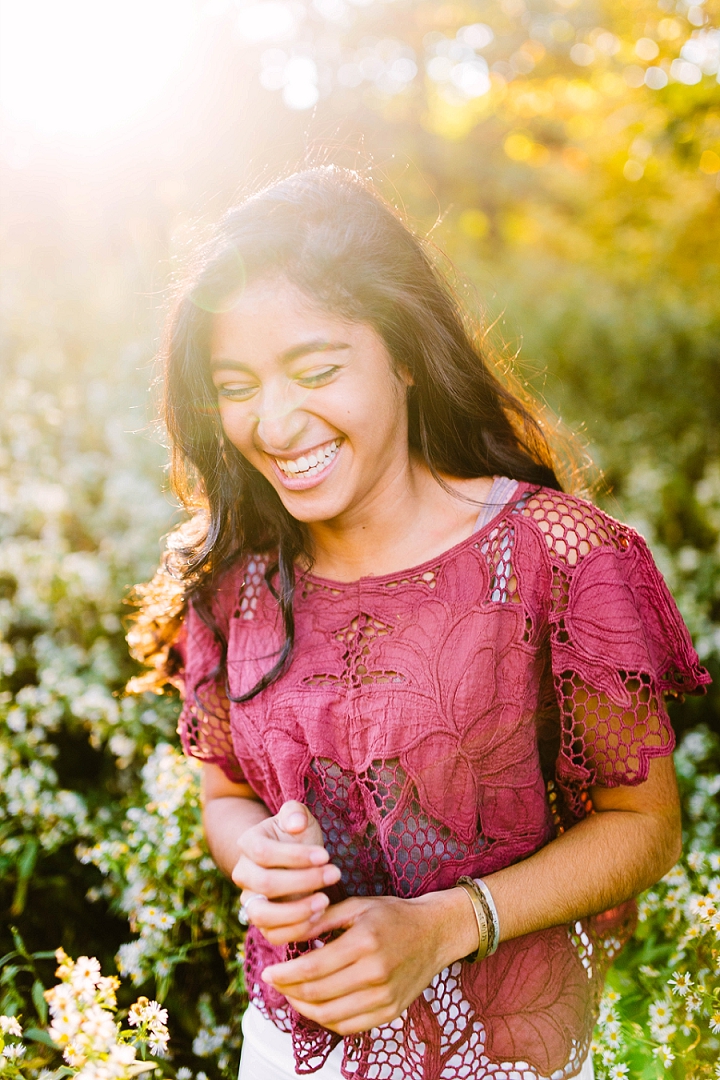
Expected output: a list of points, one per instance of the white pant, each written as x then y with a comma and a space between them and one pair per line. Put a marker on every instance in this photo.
267, 1053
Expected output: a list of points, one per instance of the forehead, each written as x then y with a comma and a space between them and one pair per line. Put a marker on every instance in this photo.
272, 312
271, 306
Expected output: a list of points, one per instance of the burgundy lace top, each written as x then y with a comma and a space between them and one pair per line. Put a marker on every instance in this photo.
449, 720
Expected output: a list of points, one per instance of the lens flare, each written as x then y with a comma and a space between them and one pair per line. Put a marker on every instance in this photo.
79, 67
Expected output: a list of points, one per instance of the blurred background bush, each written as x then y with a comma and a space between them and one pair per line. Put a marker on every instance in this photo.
565, 154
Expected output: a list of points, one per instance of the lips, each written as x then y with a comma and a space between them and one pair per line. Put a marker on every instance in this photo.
310, 464
308, 469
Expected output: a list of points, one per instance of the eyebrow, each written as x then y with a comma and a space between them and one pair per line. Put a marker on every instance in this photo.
295, 353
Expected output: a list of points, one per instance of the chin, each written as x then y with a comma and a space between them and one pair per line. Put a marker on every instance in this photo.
309, 513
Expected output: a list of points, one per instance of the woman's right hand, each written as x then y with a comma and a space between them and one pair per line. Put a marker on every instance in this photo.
283, 860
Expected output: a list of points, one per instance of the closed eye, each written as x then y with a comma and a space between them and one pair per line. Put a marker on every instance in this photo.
235, 392
318, 378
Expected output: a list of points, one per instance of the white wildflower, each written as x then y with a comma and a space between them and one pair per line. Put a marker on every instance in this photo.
703, 907
663, 1033
99, 1027
13, 1051
74, 1056
696, 860
136, 1012
122, 1054
665, 1055
157, 1041
129, 960
660, 1012
10, 1025
65, 1024
155, 1016
680, 983
66, 965
84, 978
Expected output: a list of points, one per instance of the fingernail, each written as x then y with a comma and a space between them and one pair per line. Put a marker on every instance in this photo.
296, 821
331, 875
318, 856
319, 902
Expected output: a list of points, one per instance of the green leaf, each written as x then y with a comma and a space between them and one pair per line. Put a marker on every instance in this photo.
38, 996
37, 1035
25, 866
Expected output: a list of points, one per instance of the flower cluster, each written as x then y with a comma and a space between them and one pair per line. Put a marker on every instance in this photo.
84, 1026
158, 872
663, 999
12, 1049
82, 1007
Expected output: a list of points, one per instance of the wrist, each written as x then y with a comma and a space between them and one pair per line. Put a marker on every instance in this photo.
454, 924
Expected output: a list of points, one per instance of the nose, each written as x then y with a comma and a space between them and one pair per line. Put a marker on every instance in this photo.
280, 420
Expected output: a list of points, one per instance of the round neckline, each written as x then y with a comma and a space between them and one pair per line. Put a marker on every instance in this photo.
428, 564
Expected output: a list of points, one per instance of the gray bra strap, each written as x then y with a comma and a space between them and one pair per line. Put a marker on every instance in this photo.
500, 495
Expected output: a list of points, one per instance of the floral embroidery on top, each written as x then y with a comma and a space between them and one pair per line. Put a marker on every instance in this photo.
450, 720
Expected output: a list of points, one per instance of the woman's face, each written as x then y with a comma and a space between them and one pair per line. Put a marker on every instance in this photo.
311, 400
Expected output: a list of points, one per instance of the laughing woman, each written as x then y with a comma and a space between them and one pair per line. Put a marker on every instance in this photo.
425, 684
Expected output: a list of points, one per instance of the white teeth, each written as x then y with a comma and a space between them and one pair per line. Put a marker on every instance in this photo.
308, 466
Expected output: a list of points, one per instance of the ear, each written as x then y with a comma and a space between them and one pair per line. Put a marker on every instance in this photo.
405, 376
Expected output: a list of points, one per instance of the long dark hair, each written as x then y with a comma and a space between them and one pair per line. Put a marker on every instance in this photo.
328, 232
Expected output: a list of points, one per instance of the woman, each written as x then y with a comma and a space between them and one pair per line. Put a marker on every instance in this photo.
410, 662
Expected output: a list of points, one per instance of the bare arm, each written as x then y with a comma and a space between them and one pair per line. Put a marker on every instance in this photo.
229, 810
374, 970
281, 857
627, 845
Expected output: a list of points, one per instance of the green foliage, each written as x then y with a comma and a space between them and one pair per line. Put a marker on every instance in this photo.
83, 1027
661, 1009
577, 192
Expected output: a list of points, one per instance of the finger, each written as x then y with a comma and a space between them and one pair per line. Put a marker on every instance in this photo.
293, 817
367, 974
340, 916
271, 914
348, 1015
318, 964
280, 883
266, 851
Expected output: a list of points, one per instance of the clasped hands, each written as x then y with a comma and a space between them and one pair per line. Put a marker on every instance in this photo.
388, 951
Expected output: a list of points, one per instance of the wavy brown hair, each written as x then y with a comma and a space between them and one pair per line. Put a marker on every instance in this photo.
328, 232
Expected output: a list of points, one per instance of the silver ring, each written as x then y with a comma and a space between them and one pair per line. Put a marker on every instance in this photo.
243, 917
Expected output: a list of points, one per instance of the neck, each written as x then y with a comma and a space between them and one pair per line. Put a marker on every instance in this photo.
410, 519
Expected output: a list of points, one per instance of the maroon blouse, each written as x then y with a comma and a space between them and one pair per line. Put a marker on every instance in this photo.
449, 720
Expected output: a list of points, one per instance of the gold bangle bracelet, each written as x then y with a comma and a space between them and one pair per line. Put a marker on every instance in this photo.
476, 899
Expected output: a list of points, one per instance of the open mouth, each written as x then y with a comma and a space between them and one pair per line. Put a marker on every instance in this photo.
308, 465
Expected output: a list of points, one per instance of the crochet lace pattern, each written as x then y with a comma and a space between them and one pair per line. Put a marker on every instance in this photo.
450, 720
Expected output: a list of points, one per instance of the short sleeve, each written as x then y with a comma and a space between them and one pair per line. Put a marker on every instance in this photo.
618, 645
204, 723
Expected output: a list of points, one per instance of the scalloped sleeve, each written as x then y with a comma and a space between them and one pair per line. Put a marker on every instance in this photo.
204, 722
618, 645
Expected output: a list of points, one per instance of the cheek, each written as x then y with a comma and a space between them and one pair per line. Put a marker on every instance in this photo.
235, 426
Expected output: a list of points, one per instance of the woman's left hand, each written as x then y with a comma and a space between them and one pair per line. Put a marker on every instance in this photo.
388, 954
